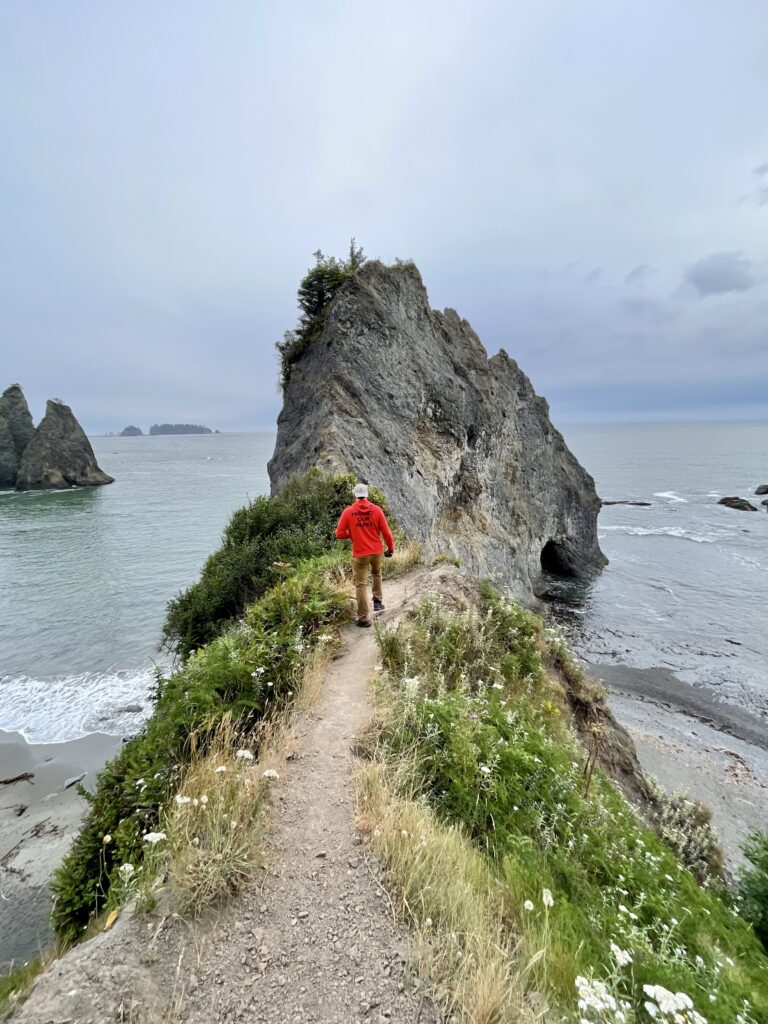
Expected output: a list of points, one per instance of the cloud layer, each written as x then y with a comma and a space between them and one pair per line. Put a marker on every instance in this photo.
169, 169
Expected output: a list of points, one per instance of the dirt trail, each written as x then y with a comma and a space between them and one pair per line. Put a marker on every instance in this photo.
317, 941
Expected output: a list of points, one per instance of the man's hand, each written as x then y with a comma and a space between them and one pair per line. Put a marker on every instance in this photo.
388, 554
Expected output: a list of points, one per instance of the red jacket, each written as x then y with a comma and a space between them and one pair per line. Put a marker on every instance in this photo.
365, 522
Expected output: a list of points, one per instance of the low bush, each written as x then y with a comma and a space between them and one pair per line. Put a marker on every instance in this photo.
593, 900
753, 885
261, 542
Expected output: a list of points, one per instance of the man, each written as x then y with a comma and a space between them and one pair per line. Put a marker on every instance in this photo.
365, 523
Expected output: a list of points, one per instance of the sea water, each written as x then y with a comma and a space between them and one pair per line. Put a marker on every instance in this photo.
85, 575
687, 583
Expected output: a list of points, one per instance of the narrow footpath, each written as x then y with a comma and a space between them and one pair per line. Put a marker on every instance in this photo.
315, 943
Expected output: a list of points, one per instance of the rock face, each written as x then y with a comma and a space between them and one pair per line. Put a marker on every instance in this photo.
16, 431
407, 398
738, 503
59, 455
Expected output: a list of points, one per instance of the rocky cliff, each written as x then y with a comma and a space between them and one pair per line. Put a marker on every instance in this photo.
16, 431
59, 454
407, 398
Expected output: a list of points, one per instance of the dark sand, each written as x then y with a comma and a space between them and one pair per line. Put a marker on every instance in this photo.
38, 819
689, 740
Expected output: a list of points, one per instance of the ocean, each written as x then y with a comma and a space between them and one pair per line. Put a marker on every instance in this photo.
85, 575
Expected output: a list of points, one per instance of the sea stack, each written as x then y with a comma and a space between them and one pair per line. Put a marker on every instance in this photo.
59, 454
406, 398
16, 431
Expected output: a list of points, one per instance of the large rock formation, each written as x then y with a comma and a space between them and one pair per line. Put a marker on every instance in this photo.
59, 455
407, 398
16, 431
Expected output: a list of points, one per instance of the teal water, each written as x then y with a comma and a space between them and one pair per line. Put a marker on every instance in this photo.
86, 575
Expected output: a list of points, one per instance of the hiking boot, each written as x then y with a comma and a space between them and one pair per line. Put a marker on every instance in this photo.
364, 623
377, 605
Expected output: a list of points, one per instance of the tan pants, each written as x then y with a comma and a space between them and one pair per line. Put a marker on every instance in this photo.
360, 568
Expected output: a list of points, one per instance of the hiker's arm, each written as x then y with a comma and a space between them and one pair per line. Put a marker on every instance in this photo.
342, 530
384, 527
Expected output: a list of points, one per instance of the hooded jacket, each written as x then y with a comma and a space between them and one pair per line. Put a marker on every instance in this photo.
365, 523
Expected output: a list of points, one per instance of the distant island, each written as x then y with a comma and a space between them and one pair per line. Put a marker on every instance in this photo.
131, 431
178, 428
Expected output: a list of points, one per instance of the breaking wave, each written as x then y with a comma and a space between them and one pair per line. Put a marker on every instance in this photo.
662, 531
61, 708
670, 496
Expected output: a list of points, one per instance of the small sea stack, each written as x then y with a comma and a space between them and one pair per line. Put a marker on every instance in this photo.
54, 456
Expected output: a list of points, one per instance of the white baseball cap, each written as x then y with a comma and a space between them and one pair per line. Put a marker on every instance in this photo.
361, 491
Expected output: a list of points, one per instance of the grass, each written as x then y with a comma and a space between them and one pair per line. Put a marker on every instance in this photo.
477, 735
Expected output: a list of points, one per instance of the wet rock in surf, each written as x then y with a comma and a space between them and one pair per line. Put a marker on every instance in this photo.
762, 489
407, 398
59, 455
738, 503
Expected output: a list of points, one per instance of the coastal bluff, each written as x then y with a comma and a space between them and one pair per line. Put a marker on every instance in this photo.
406, 397
55, 455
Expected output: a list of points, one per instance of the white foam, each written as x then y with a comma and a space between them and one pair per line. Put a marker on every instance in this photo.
661, 531
670, 496
61, 708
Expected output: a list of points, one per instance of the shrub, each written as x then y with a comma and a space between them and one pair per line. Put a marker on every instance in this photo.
316, 290
684, 825
753, 885
296, 524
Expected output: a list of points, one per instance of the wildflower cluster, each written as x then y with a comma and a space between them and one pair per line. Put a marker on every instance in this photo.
485, 733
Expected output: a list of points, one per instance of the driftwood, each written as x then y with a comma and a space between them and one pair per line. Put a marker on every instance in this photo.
24, 777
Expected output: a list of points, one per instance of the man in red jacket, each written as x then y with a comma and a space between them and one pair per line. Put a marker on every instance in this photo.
365, 523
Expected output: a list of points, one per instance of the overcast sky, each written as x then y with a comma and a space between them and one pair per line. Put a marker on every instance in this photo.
586, 182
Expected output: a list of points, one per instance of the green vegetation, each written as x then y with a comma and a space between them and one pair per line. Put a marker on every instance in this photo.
247, 670
260, 544
592, 912
316, 290
178, 428
753, 885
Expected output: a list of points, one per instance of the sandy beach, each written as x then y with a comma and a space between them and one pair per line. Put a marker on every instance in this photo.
39, 815
715, 751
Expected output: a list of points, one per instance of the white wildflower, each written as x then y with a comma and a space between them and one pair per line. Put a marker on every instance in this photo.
546, 898
183, 799
622, 956
125, 871
203, 799
270, 773
154, 837
244, 755
528, 905
221, 768
485, 769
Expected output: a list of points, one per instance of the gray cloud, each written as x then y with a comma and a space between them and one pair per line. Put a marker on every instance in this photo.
657, 311
639, 274
158, 214
721, 272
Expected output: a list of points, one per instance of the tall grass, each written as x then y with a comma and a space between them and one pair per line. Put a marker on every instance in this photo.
477, 732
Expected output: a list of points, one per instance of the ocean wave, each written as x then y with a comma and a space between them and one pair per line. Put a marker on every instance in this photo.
661, 531
57, 709
670, 496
